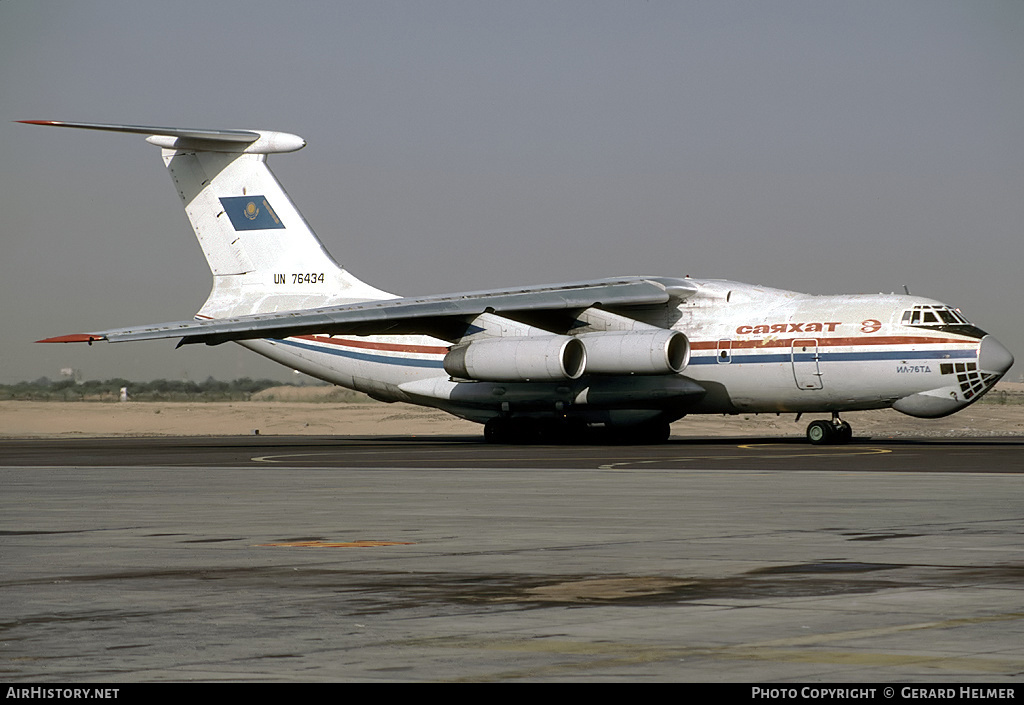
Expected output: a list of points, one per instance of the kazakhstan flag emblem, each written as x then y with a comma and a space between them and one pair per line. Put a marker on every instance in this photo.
251, 213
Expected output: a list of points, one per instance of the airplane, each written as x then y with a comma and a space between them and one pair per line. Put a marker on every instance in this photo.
617, 358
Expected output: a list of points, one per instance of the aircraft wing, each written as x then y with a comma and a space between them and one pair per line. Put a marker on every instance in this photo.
403, 315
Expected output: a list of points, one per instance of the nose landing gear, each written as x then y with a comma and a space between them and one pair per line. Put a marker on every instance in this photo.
832, 432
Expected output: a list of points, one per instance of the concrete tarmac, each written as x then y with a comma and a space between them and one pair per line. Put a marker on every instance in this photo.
445, 559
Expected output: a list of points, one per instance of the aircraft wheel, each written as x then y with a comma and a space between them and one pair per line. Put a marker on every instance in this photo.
650, 433
821, 433
656, 432
527, 431
566, 432
497, 431
513, 431
844, 432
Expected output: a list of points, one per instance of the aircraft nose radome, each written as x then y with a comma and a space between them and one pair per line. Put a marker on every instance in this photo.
993, 357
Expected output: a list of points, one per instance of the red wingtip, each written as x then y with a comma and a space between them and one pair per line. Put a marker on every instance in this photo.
73, 338
38, 122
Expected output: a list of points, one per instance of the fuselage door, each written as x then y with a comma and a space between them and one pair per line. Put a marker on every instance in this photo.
806, 369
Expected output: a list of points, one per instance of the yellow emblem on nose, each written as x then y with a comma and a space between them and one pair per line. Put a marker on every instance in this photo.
251, 211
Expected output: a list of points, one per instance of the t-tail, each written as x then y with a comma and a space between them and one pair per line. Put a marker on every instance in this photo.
262, 253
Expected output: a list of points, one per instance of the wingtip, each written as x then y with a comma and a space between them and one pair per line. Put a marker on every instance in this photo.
73, 338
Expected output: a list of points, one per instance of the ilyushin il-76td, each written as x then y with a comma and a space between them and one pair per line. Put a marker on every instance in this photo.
626, 356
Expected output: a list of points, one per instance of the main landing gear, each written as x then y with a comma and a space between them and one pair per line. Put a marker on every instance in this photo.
832, 432
525, 431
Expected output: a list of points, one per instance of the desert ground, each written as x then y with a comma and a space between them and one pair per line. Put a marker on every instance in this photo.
317, 411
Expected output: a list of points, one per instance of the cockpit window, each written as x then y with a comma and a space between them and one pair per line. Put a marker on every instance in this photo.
940, 318
933, 315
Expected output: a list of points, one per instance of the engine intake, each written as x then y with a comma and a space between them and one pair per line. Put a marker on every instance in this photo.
529, 359
645, 352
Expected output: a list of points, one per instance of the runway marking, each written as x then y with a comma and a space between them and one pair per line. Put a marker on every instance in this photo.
337, 544
823, 453
274, 458
447, 456
839, 450
760, 450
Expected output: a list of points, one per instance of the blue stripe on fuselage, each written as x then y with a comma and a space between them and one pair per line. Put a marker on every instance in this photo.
763, 359
874, 355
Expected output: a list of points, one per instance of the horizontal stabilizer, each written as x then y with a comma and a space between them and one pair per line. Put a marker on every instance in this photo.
225, 135
248, 141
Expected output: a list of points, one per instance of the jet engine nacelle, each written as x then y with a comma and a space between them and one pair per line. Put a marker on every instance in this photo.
645, 352
528, 359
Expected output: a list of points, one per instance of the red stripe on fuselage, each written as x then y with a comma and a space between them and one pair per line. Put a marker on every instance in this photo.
368, 345
694, 344
825, 342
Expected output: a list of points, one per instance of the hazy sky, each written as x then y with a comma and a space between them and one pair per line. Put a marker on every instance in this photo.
818, 146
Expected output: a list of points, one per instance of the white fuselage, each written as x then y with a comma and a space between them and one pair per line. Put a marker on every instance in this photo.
753, 349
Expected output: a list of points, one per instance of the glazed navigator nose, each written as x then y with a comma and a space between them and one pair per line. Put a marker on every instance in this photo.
993, 357
969, 382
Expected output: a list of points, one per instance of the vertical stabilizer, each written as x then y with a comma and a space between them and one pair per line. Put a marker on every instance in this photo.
263, 255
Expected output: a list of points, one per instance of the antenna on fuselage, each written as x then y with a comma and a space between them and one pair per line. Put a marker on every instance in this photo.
906, 290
